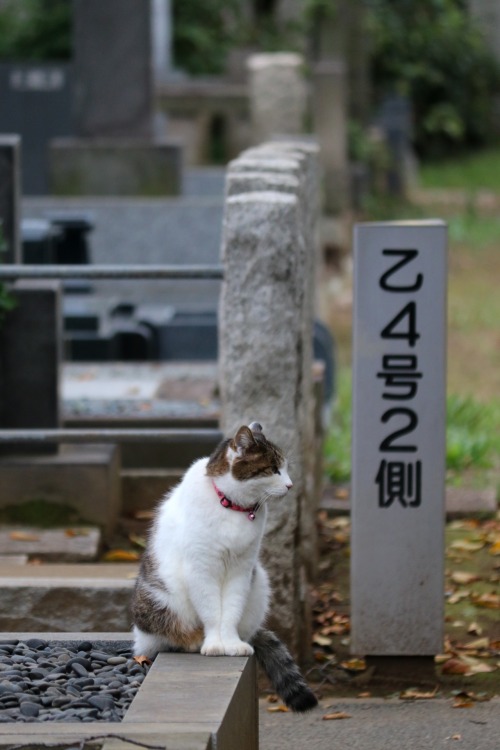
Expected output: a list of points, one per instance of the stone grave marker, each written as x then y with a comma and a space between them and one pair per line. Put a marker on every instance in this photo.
398, 448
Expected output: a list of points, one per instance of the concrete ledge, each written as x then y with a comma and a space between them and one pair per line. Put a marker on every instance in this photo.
186, 702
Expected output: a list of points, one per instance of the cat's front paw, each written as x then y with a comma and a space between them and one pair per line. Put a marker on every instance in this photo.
226, 648
238, 648
212, 648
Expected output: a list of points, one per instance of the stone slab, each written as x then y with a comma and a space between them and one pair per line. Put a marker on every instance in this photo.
72, 544
83, 477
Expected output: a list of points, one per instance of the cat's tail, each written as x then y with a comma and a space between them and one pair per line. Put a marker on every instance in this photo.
283, 673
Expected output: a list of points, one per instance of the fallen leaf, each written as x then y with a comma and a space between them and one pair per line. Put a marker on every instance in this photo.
462, 577
278, 709
139, 540
463, 545
474, 629
455, 666
354, 665
321, 640
144, 515
121, 555
336, 716
456, 737
495, 548
76, 532
367, 694
457, 596
142, 660
272, 698
23, 536
412, 695
479, 643
489, 600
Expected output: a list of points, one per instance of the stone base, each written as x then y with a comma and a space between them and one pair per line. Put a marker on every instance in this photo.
186, 701
142, 489
86, 478
115, 167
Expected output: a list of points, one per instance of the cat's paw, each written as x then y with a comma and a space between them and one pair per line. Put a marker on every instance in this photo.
213, 648
237, 648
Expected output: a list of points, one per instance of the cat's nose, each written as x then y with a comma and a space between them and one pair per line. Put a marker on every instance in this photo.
289, 485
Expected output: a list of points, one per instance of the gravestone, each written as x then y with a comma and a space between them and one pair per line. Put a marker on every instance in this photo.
115, 151
30, 359
10, 198
112, 68
398, 448
36, 104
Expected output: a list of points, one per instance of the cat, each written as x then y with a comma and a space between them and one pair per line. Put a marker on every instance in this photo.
201, 586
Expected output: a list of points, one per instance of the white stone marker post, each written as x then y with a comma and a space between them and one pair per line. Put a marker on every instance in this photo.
398, 449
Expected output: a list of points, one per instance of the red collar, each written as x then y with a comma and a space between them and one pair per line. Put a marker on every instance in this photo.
227, 503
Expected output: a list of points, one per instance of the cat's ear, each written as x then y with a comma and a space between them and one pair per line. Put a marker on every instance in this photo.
255, 427
243, 440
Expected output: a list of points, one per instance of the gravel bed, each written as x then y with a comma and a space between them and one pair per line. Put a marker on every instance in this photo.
61, 681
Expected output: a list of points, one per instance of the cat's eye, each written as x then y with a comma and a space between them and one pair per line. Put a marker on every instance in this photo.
276, 470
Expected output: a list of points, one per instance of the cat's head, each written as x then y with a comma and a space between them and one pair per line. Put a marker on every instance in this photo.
249, 465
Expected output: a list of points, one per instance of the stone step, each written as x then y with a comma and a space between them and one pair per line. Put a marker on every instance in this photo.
71, 544
66, 597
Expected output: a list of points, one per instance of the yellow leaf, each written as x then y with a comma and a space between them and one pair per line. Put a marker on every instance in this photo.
336, 716
23, 536
495, 548
278, 709
354, 665
121, 555
76, 532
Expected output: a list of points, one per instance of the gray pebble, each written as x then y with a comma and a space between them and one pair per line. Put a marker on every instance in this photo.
114, 660
30, 709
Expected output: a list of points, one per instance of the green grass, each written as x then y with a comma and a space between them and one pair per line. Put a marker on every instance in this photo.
472, 435
476, 171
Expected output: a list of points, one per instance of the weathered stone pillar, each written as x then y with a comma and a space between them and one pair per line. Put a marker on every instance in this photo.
278, 94
266, 351
10, 197
330, 124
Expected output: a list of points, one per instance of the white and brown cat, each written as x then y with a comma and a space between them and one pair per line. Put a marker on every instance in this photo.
201, 586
